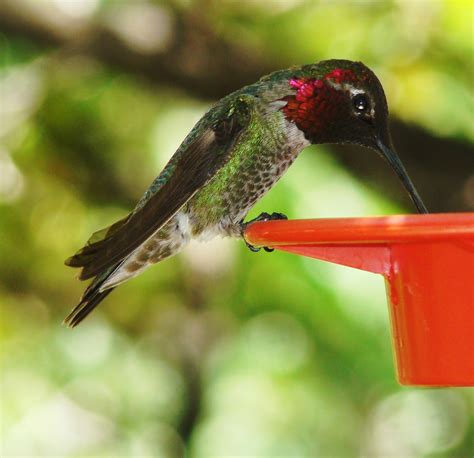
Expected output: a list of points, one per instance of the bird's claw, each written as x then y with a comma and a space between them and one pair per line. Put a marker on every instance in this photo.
262, 217
252, 248
265, 217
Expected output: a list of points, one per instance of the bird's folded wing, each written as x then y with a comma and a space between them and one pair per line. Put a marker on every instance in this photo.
201, 159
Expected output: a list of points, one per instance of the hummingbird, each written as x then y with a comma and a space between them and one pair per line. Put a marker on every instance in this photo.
234, 154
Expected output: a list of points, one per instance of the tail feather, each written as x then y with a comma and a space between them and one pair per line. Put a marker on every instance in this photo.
85, 306
91, 298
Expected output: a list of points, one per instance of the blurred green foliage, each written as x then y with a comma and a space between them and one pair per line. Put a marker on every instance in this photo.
219, 351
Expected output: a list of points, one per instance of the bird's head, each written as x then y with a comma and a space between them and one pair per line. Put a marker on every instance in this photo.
340, 101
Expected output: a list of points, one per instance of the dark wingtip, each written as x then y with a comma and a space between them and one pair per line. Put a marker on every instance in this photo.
78, 259
84, 258
86, 274
70, 261
86, 254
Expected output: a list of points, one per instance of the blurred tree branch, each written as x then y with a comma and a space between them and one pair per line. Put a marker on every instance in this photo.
191, 56
195, 58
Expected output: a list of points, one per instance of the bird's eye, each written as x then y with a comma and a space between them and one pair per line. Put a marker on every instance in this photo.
360, 103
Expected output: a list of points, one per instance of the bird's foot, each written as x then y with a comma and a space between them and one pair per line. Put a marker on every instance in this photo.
266, 217
262, 217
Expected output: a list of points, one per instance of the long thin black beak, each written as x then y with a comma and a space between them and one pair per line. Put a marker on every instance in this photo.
391, 156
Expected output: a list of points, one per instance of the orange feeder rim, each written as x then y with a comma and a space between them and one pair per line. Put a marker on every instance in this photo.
358, 231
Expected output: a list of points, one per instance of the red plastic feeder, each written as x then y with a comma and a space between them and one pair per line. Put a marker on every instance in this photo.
428, 265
